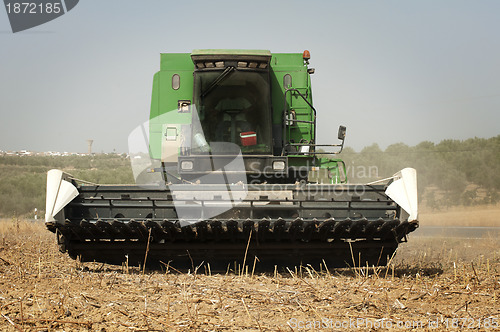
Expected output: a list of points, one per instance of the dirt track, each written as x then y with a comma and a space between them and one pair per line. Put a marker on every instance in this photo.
434, 283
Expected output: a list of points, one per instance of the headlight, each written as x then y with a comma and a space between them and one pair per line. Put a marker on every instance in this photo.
279, 165
187, 165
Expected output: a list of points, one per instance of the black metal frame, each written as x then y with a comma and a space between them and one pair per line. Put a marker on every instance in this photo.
93, 227
312, 144
104, 202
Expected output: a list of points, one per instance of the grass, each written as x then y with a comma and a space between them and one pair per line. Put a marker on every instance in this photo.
429, 280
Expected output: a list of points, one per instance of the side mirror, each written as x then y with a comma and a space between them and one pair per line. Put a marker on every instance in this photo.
341, 134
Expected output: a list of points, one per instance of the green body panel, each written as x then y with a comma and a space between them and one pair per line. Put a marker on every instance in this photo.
164, 101
230, 52
284, 68
292, 64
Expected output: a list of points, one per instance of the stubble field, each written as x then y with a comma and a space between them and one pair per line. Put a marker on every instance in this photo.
432, 284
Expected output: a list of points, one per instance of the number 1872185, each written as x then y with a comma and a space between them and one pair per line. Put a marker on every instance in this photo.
33, 8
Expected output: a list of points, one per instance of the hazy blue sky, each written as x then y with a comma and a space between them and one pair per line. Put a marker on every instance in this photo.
391, 71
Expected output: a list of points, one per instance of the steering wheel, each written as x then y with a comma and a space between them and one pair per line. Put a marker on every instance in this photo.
233, 112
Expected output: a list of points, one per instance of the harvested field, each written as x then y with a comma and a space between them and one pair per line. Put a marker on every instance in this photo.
432, 284
472, 216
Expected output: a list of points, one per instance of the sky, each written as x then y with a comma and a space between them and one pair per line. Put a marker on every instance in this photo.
390, 71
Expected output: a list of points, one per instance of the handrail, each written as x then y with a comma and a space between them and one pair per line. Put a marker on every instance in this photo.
285, 118
311, 143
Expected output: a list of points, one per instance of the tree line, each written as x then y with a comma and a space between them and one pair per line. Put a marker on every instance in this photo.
23, 178
451, 172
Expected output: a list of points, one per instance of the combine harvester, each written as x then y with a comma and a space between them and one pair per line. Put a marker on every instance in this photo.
228, 170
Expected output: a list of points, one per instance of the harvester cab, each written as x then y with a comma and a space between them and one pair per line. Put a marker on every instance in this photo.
260, 103
232, 135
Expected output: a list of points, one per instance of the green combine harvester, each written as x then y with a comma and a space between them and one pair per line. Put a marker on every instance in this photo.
228, 170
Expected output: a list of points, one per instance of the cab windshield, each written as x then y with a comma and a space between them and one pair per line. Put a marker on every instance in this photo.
233, 106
